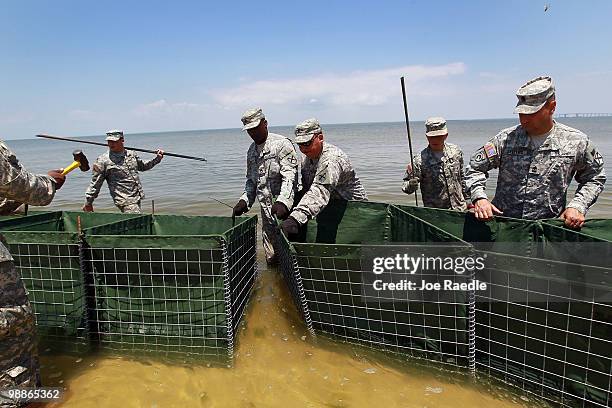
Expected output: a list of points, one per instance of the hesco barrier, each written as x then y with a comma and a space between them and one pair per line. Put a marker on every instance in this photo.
173, 285
45, 247
544, 323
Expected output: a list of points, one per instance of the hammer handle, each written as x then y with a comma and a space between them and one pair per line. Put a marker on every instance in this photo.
73, 166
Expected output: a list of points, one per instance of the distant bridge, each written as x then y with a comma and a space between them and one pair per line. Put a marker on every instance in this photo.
583, 115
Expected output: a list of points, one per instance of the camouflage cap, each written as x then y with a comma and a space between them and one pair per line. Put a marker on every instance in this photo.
251, 118
533, 95
306, 130
114, 135
436, 127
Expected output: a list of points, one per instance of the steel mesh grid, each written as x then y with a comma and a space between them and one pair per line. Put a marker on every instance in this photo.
556, 344
435, 329
242, 262
160, 300
52, 277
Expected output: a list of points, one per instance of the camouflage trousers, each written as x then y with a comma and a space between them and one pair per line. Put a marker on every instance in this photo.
19, 365
130, 208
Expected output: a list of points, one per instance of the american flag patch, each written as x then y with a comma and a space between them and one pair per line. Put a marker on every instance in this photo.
490, 150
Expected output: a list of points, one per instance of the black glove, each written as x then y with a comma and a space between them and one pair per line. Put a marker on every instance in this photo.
280, 210
290, 227
58, 177
240, 208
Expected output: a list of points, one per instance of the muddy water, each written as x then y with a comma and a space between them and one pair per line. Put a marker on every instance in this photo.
276, 365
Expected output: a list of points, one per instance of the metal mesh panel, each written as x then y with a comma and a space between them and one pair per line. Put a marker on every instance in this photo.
52, 276
178, 295
435, 328
241, 272
556, 343
160, 300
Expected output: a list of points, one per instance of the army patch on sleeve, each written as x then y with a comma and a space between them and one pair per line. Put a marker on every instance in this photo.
597, 157
489, 150
480, 156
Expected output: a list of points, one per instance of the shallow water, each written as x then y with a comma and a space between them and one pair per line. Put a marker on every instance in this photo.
276, 365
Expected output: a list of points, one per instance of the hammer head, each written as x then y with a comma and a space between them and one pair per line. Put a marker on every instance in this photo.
79, 156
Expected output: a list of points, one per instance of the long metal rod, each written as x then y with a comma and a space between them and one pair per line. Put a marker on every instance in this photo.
416, 199
67, 139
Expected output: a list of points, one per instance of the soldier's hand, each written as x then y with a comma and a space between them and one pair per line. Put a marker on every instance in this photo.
240, 208
58, 177
88, 208
484, 210
290, 227
160, 154
573, 218
280, 210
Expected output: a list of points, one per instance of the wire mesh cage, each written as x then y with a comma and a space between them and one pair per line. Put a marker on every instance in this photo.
45, 248
543, 323
325, 274
172, 285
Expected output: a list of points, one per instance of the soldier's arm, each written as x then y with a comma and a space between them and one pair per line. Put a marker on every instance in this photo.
318, 195
98, 172
289, 173
482, 161
250, 186
591, 177
412, 172
8, 207
17, 184
147, 165
466, 193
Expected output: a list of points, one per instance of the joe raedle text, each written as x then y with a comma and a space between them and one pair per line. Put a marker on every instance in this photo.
418, 272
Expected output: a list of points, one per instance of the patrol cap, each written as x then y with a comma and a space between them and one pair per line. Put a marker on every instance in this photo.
533, 95
251, 118
436, 126
114, 135
306, 130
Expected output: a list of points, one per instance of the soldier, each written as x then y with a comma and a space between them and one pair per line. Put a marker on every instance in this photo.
439, 169
537, 161
18, 354
326, 173
119, 167
272, 177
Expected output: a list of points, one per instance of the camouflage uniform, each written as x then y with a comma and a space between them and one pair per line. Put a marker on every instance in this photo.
442, 179
329, 176
18, 354
8, 207
271, 176
532, 183
120, 170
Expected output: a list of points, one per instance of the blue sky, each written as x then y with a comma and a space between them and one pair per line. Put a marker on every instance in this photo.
80, 68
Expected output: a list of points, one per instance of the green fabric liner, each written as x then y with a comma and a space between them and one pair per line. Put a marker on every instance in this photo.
134, 287
525, 342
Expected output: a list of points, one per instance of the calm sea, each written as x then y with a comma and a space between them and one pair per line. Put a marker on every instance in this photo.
378, 151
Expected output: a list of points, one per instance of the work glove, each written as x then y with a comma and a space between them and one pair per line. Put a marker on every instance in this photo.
280, 210
58, 177
413, 182
290, 227
240, 208
88, 207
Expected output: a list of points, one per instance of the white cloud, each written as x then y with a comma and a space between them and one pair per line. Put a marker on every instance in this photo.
358, 88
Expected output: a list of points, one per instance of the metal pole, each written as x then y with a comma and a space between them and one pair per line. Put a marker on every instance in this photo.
67, 139
416, 199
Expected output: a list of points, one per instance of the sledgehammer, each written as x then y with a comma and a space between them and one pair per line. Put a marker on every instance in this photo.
80, 161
